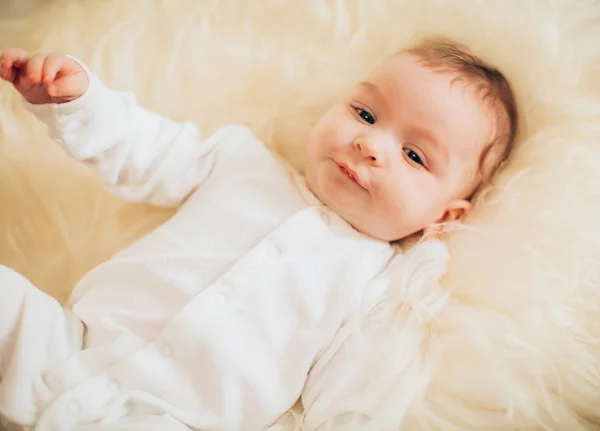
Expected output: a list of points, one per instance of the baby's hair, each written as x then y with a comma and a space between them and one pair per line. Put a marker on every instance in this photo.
447, 56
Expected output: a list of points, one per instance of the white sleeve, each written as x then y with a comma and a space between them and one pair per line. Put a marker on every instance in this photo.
140, 155
375, 369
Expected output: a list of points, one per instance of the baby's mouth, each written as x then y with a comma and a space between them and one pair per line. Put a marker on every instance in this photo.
350, 174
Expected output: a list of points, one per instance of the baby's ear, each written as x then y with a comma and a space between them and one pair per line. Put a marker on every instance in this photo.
456, 210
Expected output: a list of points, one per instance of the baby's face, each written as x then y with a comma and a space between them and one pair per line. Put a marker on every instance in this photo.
401, 152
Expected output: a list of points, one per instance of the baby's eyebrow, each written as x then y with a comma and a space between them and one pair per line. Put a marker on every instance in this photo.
370, 87
373, 89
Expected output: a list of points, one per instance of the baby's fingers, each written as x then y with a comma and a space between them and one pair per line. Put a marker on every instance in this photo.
52, 65
11, 60
7, 73
33, 69
68, 87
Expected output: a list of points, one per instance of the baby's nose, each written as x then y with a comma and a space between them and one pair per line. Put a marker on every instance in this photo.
369, 151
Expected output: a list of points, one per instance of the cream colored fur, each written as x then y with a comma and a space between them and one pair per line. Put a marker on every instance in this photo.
517, 344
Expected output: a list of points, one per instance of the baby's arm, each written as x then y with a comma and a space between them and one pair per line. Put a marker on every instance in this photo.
140, 155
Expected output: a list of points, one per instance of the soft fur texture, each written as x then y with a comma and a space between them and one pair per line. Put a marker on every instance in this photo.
517, 344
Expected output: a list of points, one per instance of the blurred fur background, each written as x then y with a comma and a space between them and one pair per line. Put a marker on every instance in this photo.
517, 345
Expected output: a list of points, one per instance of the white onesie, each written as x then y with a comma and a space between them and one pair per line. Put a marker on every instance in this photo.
211, 322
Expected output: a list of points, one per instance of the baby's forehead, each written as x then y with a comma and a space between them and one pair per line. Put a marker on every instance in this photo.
409, 68
403, 80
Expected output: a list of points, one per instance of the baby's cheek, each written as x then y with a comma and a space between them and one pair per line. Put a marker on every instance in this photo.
406, 201
341, 130
391, 201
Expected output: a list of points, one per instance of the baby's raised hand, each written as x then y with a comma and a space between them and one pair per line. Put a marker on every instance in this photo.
44, 77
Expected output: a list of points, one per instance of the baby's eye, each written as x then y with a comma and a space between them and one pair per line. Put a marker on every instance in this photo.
414, 156
365, 116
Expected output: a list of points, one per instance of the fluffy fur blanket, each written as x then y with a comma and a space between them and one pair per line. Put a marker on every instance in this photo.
516, 344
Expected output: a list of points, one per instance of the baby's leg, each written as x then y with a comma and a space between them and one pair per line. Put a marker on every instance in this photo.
35, 333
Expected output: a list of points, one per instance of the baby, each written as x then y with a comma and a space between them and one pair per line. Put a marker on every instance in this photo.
218, 318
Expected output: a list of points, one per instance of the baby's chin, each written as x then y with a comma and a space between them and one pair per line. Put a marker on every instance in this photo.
376, 228
372, 232
360, 220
